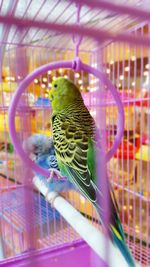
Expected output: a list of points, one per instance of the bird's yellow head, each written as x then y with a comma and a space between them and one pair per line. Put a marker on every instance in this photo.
63, 93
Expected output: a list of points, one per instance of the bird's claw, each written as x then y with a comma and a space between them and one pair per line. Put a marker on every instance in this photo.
53, 173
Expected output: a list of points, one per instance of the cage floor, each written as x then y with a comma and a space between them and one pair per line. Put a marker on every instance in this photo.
51, 230
140, 253
68, 234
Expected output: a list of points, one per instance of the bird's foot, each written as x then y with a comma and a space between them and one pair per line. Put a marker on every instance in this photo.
54, 173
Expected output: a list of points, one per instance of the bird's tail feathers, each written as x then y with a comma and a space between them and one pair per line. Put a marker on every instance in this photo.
116, 232
121, 244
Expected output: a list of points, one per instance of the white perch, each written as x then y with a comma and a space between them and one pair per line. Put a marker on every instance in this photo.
92, 236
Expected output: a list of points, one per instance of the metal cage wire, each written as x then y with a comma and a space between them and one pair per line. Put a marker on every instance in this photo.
126, 65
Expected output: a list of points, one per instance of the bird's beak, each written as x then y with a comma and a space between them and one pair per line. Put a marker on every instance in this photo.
51, 95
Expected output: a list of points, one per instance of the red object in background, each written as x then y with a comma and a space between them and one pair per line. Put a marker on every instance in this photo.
124, 216
127, 149
144, 103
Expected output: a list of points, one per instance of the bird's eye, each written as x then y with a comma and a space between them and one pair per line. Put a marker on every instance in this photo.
55, 85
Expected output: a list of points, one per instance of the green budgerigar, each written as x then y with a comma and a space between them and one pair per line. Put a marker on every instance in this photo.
74, 137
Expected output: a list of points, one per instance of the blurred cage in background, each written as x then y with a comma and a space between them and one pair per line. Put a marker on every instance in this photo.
127, 66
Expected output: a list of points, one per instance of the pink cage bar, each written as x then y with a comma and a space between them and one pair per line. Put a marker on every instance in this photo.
115, 40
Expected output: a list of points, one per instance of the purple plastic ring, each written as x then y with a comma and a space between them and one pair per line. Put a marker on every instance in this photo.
41, 70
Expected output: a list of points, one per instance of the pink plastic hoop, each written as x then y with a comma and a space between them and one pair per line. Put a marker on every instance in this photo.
41, 70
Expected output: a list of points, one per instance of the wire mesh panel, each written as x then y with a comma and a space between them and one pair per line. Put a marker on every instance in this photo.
128, 67
27, 220
50, 230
